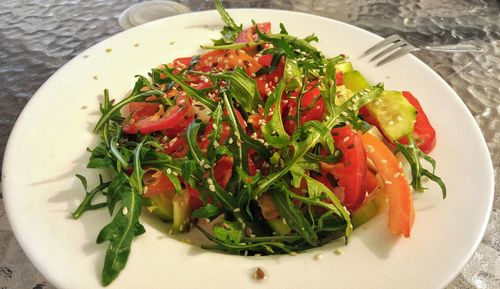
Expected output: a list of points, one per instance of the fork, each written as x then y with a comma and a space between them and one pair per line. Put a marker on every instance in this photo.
396, 46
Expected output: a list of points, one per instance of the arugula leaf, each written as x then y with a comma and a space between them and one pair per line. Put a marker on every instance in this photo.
413, 155
207, 211
120, 232
86, 204
244, 90
294, 217
231, 31
274, 131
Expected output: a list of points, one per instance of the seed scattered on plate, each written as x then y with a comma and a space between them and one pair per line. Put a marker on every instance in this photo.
259, 274
108, 50
337, 251
318, 257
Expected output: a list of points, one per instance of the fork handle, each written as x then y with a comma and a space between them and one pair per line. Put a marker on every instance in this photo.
454, 48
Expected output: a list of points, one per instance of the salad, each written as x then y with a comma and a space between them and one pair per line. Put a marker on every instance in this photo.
281, 148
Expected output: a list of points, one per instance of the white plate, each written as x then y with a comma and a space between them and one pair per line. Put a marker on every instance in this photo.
47, 148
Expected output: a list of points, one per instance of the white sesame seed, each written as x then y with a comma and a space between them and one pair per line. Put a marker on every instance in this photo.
230, 140
318, 257
169, 171
397, 174
388, 182
382, 161
210, 181
391, 122
236, 210
125, 211
346, 139
206, 166
202, 162
211, 188
284, 221
214, 126
337, 251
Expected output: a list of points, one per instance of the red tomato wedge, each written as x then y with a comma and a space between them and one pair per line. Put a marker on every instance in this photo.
424, 133
250, 35
223, 170
401, 212
156, 183
143, 122
223, 60
351, 170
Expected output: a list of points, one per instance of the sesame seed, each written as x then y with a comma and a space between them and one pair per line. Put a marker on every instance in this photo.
206, 166
214, 126
125, 211
210, 181
202, 162
169, 171
391, 122
284, 221
236, 210
388, 182
346, 139
337, 251
382, 161
175, 173
400, 165
318, 257
397, 174
211, 188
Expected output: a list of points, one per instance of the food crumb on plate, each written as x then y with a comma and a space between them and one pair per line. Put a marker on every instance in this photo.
108, 50
337, 251
259, 274
318, 257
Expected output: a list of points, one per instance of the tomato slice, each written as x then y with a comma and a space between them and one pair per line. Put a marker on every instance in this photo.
143, 122
424, 133
352, 169
223, 60
178, 149
156, 183
401, 212
250, 35
223, 170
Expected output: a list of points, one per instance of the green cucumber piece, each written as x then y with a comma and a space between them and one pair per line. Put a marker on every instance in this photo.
161, 205
394, 114
344, 66
181, 212
369, 209
279, 227
354, 81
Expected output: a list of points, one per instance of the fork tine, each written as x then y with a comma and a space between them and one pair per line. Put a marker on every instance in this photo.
389, 49
390, 39
399, 53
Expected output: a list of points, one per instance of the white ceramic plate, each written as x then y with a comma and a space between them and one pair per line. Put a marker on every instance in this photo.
48, 147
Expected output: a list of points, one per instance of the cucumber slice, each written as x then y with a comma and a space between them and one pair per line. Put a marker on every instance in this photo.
395, 115
344, 66
354, 81
279, 227
181, 211
161, 205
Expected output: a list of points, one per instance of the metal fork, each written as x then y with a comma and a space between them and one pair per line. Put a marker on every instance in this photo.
396, 46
